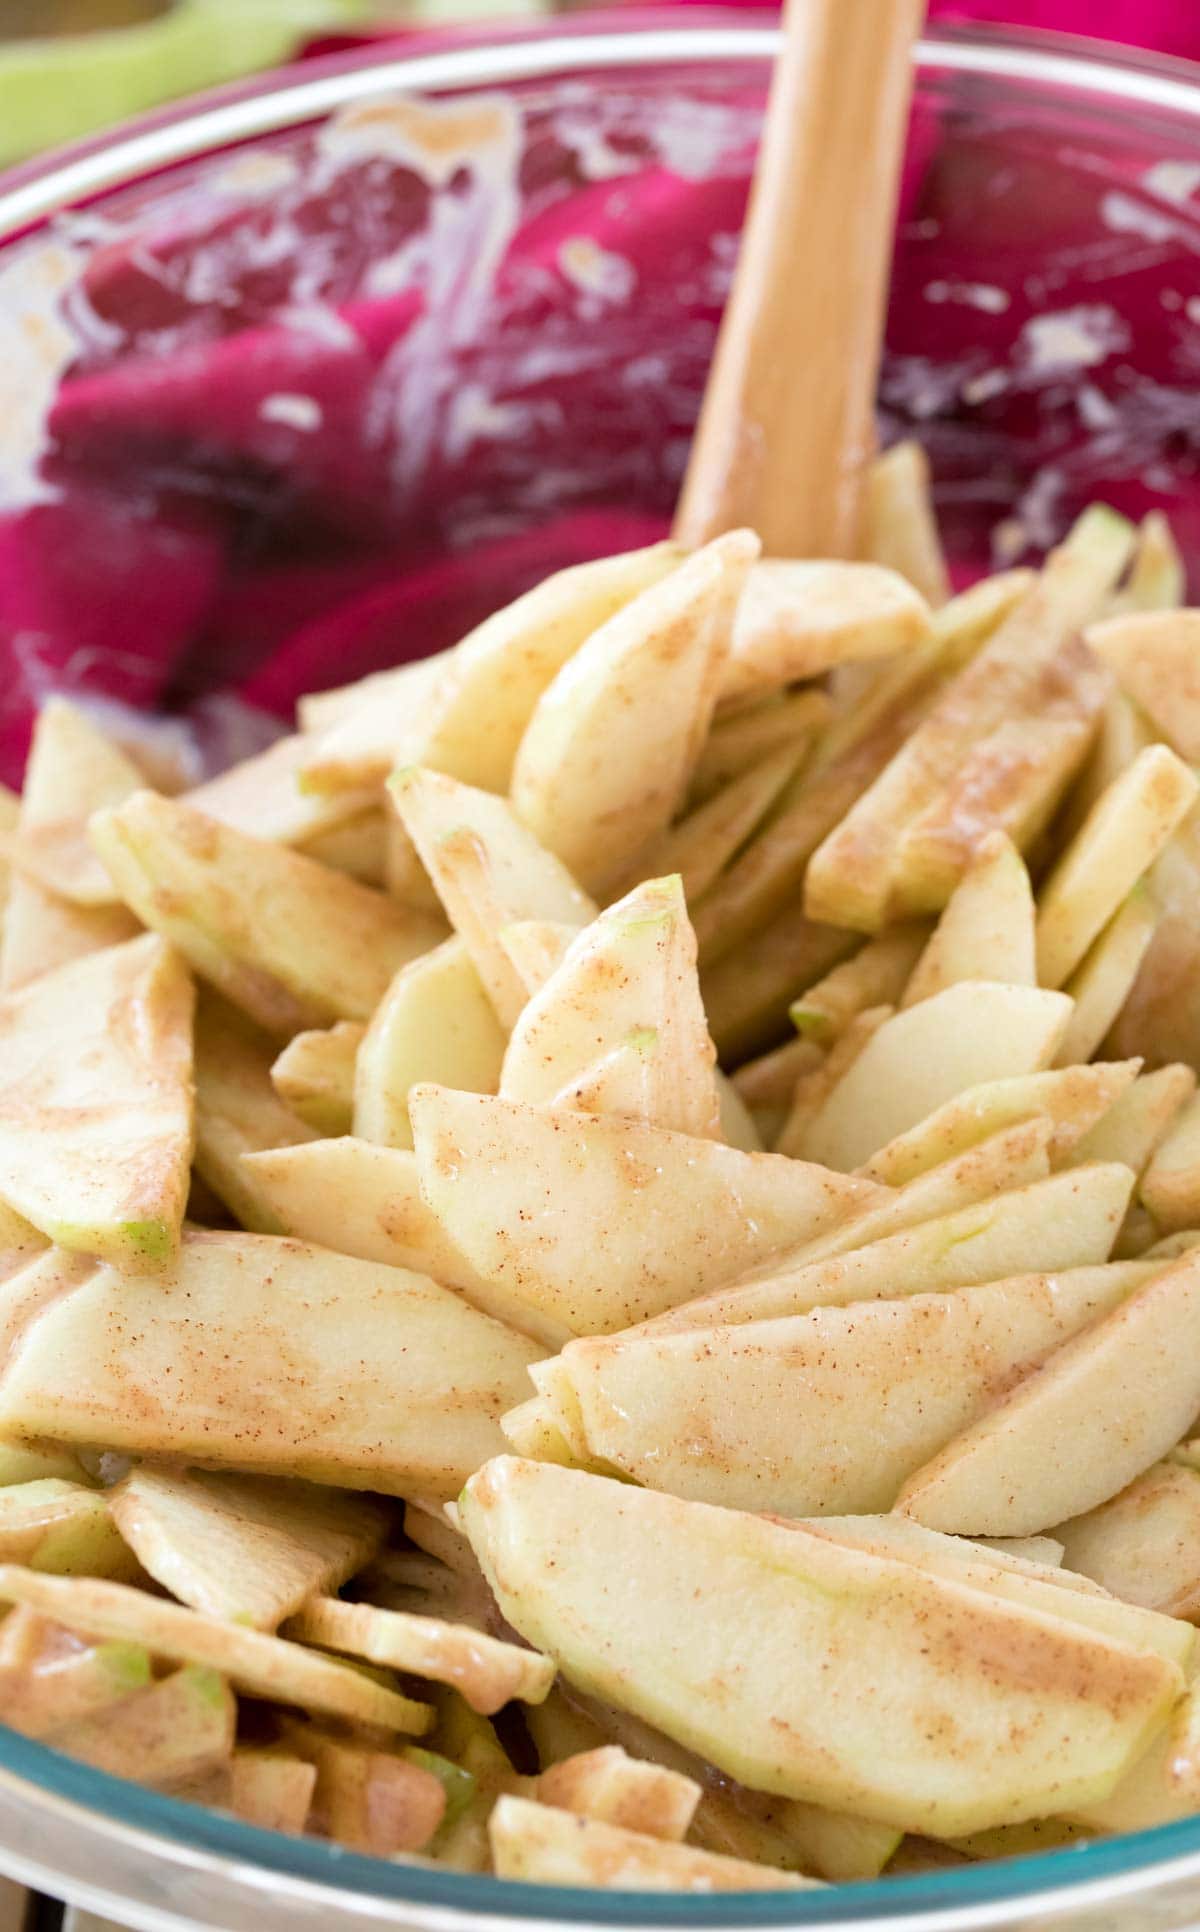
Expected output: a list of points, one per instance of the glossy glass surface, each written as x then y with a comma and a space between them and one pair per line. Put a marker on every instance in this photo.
533, 405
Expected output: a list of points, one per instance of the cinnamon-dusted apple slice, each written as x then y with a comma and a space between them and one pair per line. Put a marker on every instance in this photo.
996, 1712
241, 1547
486, 1672
291, 942
382, 1379
545, 1845
605, 761
96, 1101
599, 1222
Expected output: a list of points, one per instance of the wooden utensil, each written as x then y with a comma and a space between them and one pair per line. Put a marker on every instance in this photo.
786, 428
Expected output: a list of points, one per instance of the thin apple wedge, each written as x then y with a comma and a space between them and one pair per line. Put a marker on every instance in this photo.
536, 948
238, 1110
1122, 836
262, 796
484, 1671
978, 1030
699, 846
383, 724
1012, 1158
901, 524
1157, 578
749, 991
496, 676
627, 982
1155, 658
355, 1198
1162, 1786
383, 1380
174, 1731
435, 1022
1144, 1544
1106, 978
1171, 1183
1056, 1592
797, 619
831, 1410
784, 1659
752, 735
292, 943
606, 1783
96, 1101
361, 847
1095, 1416
314, 1075
987, 928
1052, 1224
995, 752
489, 870
543, 1845
258, 1664
599, 1222
876, 975
63, 1527
606, 758
239, 1547
1138, 1119
1075, 1100
73, 770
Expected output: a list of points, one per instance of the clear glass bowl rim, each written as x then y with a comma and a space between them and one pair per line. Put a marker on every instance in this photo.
969, 1896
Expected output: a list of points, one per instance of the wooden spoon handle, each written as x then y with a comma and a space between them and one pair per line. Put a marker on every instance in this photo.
786, 428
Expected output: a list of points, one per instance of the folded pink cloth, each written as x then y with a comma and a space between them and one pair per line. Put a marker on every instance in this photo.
289, 451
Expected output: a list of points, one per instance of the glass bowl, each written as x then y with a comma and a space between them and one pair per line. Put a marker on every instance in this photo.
307, 377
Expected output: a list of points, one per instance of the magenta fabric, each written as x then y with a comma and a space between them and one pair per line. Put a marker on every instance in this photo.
1167, 26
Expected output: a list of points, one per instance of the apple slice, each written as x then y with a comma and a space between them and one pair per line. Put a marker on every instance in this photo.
60, 1526
170, 1733
381, 721
1098, 1413
829, 1411
1073, 1099
314, 1075
1162, 1786
606, 758
489, 870
876, 975
784, 1658
259, 1665
1144, 1545
1138, 1118
271, 1789
1064, 1221
248, 1550
1014, 1157
496, 676
73, 770
699, 846
996, 751
383, 1379
543, 1845
987, 928
1154, 656
361, 847
261, 796
354, 1198
753, 734
1171, 1183
1100, 986
435, 1022
798, 619
238, 1109
628, 982
292, 943
599, 1222
901, 524
749, 991
976, 1031
1122, 836
487, 1673
96, 1102
50, 1681
606, 1783
378, 1802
